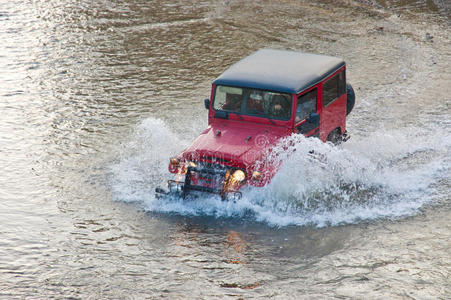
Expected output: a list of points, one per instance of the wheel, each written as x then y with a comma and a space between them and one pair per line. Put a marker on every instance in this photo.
350, 98
335, 137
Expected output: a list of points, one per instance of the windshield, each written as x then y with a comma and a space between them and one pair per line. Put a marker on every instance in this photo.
253, 102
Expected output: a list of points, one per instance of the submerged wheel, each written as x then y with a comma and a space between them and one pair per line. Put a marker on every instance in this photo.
350, 98
335, 137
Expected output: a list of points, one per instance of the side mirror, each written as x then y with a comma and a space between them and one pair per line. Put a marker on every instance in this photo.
313, 118
207, 103
220, 114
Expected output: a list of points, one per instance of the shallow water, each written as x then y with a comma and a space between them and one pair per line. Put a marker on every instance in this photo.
96, 96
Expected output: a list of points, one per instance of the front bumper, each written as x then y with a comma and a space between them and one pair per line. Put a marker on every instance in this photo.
214, 180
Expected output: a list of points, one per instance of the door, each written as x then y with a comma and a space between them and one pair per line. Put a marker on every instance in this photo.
307, 119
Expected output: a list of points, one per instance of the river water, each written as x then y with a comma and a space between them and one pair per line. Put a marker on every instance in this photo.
95, 96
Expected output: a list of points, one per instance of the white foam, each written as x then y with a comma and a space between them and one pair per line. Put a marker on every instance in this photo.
389, 174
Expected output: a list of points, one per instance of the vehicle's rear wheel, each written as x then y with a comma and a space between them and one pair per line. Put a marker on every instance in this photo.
350, 98
335, 137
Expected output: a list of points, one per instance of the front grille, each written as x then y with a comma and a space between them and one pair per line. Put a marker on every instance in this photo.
211, 178
215, 160
207, 175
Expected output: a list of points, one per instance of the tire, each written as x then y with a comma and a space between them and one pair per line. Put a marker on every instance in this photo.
350, 98
335, 137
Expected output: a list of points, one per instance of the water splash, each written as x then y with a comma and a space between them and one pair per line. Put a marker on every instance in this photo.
143, 164
385, 175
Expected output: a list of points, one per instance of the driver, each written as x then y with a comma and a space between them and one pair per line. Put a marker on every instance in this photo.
233, 103
279, 107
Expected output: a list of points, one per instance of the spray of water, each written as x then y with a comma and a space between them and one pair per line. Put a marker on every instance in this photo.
385, 175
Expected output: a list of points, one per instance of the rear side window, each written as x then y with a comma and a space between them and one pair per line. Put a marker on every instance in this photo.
334, 88
341, 83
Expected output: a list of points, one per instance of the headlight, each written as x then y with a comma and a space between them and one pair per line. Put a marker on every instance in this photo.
174, 162
239, 175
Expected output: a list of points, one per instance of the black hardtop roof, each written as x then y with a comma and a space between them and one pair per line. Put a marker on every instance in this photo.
280, 70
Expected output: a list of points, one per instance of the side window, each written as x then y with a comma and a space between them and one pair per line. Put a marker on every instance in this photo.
306, 105
334, 88
330, 90
341, 83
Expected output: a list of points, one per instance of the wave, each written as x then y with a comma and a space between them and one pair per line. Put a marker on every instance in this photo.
388, 174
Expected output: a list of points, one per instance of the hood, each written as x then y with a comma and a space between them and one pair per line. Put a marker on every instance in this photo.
234, 142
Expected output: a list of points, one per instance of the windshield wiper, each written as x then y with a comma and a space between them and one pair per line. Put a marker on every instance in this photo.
242, 119
238, 114
270, 120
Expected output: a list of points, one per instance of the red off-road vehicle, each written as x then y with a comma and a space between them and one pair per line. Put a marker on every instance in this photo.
266, 96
